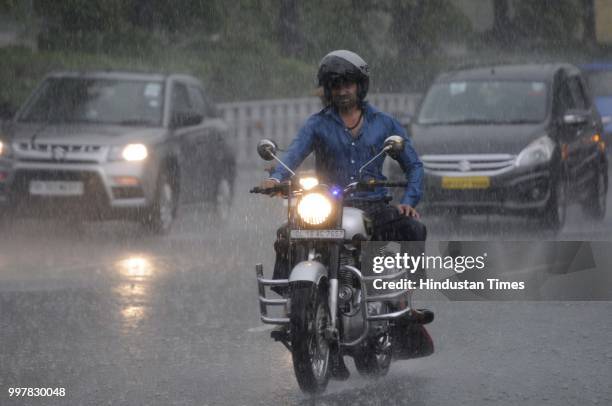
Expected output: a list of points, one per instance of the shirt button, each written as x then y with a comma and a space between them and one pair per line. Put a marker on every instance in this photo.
352, 143
352, 161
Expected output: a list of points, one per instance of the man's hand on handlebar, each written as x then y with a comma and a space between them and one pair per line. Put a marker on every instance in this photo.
270, 183
408, 211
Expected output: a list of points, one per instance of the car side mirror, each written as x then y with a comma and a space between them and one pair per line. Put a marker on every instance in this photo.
575, 117
180, 119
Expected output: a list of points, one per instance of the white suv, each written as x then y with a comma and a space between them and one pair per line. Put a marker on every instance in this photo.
103, 145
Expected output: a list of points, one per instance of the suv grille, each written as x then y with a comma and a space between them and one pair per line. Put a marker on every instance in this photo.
66, 153
468, 163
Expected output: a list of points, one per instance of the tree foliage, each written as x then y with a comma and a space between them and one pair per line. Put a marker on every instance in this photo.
267, 48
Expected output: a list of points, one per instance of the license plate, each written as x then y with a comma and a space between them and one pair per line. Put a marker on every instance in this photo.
317, 234
466, 182
55, 188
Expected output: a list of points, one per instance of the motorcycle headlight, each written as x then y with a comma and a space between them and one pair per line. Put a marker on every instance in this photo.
314, 208
130, 152
539, 151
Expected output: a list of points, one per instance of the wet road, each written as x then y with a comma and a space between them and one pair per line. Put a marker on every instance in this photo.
118, 318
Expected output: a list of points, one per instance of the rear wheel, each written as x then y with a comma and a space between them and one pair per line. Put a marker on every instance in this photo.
375, 359
309, 318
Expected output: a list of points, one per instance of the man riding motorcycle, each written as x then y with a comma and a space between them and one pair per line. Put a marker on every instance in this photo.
345, 135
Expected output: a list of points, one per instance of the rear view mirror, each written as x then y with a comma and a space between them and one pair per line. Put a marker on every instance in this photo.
394, 144
266, 149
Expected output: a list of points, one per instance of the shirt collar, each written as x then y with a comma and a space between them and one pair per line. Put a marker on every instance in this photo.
368, 109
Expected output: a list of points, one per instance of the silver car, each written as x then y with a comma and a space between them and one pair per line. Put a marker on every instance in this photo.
103, 145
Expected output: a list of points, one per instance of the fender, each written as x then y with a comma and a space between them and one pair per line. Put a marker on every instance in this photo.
308, 271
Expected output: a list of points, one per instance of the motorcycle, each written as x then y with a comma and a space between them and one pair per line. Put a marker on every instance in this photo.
329, 310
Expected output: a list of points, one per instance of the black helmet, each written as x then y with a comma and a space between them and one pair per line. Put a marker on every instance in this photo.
343, 65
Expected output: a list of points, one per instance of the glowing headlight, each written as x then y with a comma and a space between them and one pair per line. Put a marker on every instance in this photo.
130, 152
308, 183
1, 147
314, 208
537, 152
135, 152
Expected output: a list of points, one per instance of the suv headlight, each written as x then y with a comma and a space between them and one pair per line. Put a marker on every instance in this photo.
4, 149
130, 152
314, 208
539, 151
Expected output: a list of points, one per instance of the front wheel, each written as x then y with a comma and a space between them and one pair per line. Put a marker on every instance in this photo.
309, 319
162, 213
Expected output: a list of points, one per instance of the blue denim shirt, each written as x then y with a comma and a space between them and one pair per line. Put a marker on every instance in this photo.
339, 155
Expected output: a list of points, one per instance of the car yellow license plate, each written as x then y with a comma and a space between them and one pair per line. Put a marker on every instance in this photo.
466, 182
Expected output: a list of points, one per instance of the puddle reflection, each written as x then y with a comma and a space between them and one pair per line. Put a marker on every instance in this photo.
136, 273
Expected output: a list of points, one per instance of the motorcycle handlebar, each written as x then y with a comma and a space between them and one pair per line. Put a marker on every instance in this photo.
383, 183
269, 190
282, 188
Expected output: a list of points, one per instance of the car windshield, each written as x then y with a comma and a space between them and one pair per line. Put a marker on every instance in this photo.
485, 102
97, 101
600, 83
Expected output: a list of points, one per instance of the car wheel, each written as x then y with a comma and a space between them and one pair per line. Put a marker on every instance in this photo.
162, 212
555, 212
595, 206
223, 199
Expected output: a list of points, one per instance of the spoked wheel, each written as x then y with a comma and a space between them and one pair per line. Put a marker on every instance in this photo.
374, 359
309, 318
